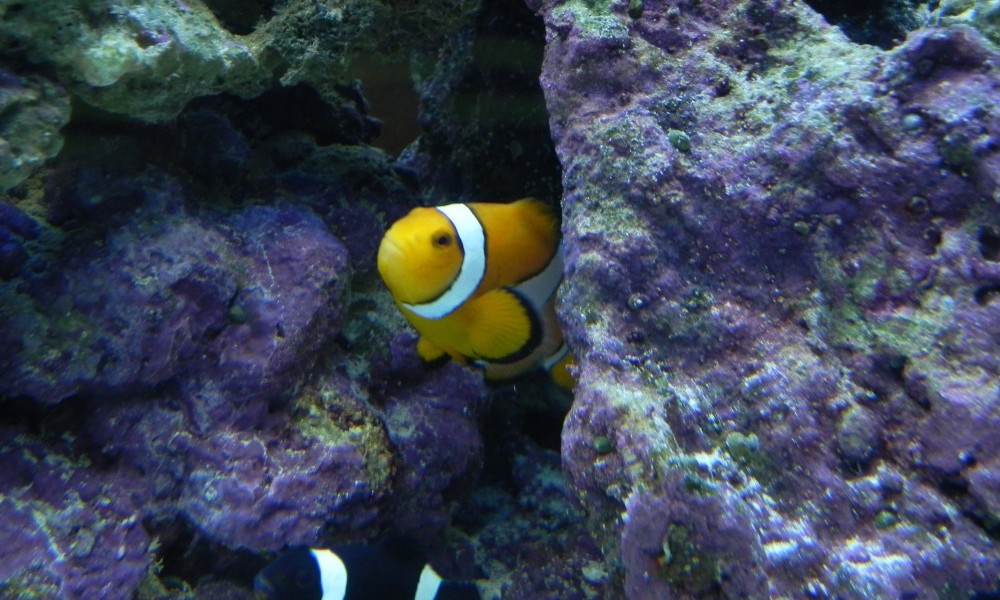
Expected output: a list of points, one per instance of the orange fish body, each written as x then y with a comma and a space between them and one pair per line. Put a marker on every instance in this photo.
478, 282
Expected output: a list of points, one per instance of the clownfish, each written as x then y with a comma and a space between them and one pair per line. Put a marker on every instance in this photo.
357, 572
478, 283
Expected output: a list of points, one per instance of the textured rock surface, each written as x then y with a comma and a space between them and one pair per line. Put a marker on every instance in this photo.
783, 284
32, 110
428, 422
982, 14
65, 520
781, 275
195, 337
223, 372
147, 60
528, 537
231, 301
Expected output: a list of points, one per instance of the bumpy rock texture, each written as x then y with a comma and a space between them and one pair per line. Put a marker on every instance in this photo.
231, 302
200, 366
32, 110
148, 59
195, 375
783, 290
782, 276
984, 15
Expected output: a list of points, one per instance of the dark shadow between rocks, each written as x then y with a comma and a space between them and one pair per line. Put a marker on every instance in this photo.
240, 17
883, 23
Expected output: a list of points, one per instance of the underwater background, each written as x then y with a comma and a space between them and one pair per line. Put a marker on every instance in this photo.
782, 289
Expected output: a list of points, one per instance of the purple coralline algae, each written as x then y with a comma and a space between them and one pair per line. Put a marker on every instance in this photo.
64, 525
182, 357
786, 325
430, 421
229, 302
782, 292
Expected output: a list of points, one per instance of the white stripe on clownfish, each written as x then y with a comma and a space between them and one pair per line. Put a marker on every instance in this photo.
427, 587
539, 288
333, 574
554, 358
534, 293
473, 239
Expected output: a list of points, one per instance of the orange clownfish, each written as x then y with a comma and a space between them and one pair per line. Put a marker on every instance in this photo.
478, 283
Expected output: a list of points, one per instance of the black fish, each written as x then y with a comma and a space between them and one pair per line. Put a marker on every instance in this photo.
357, 572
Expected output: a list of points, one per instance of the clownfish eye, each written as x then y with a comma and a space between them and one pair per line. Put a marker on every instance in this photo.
442, 240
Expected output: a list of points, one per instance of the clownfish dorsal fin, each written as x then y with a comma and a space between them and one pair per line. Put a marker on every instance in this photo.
545, 211
500, 326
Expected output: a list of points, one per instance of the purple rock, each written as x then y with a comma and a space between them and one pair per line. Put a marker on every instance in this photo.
206, 360
253, 491
239, 303
16, 230
691, 538
69, 530
17, 223
793, 305
432, 421
213, 150
179, 337
534, 537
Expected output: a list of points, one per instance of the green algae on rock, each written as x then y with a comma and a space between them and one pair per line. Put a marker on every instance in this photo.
142, 61
148, 61
832, 306
33, 109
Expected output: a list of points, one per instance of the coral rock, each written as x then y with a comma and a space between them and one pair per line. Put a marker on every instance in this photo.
34, 109
788, 308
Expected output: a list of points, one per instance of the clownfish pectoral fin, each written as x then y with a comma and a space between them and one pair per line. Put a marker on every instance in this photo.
429, 353
502, 325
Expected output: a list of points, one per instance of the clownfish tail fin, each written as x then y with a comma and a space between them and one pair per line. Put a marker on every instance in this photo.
548, 213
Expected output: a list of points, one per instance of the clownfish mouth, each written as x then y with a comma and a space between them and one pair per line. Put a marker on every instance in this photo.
390, 261
389, 251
